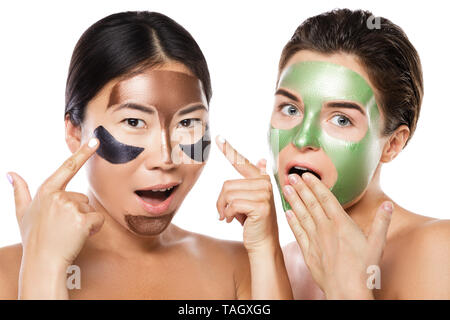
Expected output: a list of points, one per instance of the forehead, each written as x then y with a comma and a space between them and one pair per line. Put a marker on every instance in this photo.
161, 89
325, 81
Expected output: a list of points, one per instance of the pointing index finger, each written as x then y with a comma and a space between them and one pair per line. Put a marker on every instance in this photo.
61, 177
238, 161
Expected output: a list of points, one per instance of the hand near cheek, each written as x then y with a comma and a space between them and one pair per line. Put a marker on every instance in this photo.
335, 249
55, 224
249, 200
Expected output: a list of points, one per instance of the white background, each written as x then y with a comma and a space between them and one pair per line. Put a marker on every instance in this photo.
242, 42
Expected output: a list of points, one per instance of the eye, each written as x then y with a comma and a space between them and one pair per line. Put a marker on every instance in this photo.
341, 121
189, 123
135, 123
290, 110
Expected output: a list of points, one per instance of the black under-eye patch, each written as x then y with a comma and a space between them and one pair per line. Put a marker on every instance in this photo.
198, 151
112, 150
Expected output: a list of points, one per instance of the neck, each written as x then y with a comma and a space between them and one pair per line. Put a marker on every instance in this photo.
115, 237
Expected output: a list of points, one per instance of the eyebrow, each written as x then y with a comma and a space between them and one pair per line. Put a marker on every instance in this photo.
192, 109
287, 94
347, 105
135, 106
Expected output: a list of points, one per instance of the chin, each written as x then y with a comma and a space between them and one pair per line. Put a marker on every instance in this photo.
148, 225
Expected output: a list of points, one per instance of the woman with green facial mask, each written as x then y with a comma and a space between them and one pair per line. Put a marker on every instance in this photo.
319, 83
347, 101
332, 115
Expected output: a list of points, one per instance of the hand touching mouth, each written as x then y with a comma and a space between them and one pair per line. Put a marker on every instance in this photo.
300, 169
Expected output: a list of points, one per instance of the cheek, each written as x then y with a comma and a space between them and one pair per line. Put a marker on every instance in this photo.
356, 164
352, 133
275, 120
284, 122
341, 152
114, 151
353, 154
193, 150
109, 182
190, 174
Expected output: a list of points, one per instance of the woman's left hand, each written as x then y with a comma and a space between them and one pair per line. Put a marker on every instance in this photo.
250, 201
335, 249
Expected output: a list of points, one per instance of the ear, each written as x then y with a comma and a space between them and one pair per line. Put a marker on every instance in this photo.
395, 143
73, 135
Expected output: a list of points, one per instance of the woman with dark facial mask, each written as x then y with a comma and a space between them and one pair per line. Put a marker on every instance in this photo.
137, 102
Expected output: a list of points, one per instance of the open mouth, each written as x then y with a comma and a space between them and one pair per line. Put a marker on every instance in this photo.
302, 170
156, 196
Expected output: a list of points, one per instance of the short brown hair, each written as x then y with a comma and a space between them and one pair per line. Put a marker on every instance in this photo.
389, 58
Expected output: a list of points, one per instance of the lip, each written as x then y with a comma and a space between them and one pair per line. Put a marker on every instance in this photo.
161, 186
299, 164
161, 208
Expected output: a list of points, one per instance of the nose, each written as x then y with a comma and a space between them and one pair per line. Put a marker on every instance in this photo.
160, 156
307, 137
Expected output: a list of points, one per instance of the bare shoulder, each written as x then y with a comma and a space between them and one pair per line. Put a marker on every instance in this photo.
430, 239
225, 256
422, 260
213, 247
10, 259
232, 255
432, 231
424, 236
302, 283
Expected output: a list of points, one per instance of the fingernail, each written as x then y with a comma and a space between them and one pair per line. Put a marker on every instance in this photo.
293, 178
220, 139
9, 177
288, 190
93, 142
388, 207
306, 176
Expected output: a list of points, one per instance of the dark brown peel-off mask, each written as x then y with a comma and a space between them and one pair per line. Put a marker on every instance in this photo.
198, 151
114, 151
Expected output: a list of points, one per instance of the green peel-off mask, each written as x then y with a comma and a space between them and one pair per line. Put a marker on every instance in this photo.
355, 161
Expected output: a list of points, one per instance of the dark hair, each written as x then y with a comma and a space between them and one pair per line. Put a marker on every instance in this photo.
123, 44
382, 47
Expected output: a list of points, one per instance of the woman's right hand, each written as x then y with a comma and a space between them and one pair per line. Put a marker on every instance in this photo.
55, 224
337, 252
